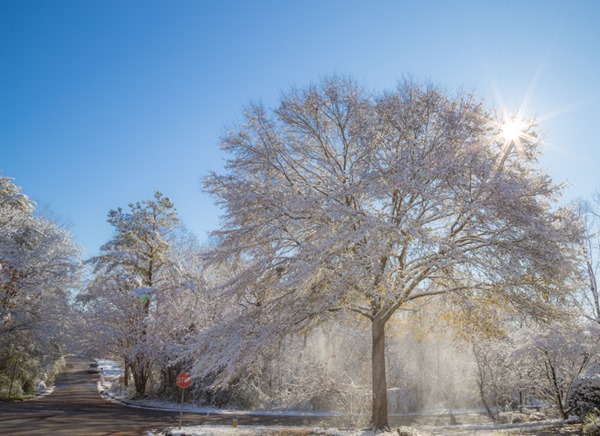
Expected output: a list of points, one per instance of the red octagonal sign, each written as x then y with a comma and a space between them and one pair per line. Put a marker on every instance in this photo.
184, 380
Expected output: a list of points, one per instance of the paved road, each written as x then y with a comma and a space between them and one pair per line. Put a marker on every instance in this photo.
76, 409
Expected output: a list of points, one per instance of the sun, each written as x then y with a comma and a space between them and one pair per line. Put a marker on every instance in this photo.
513, 129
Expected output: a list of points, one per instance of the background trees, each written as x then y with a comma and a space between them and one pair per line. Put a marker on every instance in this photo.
588, 297
340, 199
39, 271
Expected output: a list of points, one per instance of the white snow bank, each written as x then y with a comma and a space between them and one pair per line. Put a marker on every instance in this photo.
215, 430
456, 430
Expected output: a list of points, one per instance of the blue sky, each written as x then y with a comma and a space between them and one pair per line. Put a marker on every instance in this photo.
104, 102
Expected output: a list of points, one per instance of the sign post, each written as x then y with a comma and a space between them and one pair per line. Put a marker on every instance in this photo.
183, 380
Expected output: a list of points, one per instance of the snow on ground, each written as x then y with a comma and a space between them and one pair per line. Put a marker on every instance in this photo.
553, 427
215, 430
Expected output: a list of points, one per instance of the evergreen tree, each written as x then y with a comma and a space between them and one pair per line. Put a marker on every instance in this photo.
130, 275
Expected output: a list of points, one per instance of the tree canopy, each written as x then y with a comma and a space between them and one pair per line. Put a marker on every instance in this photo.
344, 199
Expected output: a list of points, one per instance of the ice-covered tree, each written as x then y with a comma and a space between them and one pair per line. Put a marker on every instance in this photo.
16, 223
39, 268
344, 199
553, 357
132, 273
140, 241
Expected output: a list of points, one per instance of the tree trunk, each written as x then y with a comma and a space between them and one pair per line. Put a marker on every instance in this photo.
379, 416
481, 359
140, 379
486, 406
141, 372
126, 375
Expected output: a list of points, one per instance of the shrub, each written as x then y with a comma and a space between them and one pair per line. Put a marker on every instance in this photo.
5, 384
584, 397
591, 425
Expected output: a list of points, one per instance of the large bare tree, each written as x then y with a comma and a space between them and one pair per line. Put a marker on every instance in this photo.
343, 199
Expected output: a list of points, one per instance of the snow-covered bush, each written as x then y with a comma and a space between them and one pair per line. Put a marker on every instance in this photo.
118, 389
537, 416
409, 431
585, 396
40, 387
54, 368
512, 417
591, 425
5, 388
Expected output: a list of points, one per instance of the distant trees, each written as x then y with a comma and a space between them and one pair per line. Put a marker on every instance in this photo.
39, 271
588, 299
345, 200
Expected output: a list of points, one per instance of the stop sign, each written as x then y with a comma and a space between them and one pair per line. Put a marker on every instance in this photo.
184, 380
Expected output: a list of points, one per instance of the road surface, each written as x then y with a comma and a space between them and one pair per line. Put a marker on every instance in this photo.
75, 408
